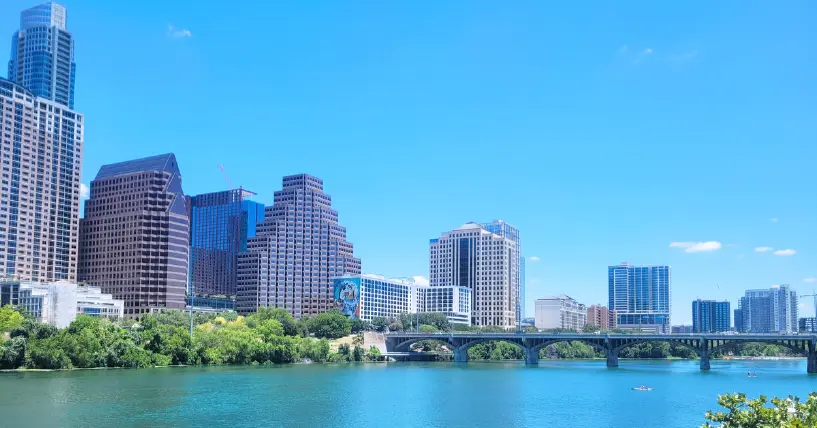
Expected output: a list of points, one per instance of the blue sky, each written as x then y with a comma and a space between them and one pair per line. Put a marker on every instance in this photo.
604, 132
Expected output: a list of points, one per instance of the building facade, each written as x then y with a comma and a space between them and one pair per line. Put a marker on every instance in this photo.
135, 235
60, 302
453, 301
297, 251
370, 296
220, 225
739, 320
807, 325
485, 263
562, 312
41, 145
772, 310
710, 316
640, 297
601, 317
42, 54
501, 228
682, 329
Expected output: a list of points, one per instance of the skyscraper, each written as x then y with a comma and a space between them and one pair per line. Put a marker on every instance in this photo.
220, 224
297, 251
135, 235
709, 316
640, 296
772, 310
485, 262
42, 54
501, 228
41, 146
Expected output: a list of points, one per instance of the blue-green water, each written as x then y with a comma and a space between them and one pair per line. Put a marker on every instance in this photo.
555, 394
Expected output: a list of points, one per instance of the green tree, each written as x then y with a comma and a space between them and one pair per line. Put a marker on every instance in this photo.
373, 354
270, 327
380, 324
330, 325
281, 315
744, 413
590, 328
10, 319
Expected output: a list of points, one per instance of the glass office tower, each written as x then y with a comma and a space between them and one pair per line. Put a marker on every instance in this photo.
709, 316
220, 224
501, 228
42, 54
640, 297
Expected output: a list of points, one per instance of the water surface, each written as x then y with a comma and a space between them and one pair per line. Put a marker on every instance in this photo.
554, 394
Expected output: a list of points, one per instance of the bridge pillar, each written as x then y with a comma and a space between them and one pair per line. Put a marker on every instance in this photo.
612, 358
812, 358
531, 356
460, 355
705, 354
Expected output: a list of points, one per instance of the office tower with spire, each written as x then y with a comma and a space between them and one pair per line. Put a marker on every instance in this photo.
134, 238
42, 54
298, 250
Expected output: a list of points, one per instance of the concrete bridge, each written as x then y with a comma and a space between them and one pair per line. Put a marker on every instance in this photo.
610, 344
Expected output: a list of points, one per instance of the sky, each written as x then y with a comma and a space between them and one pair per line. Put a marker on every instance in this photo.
678, 133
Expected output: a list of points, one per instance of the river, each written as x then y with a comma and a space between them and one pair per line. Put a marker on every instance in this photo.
555, 394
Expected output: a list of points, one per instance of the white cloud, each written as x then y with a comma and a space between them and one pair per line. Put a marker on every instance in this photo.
763, 249
178, 33
810, 280
697, 247
534, 259
84, 191
647, 51
420, 280
773, 219
786, 252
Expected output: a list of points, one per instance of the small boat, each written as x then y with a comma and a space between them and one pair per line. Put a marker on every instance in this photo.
642, 388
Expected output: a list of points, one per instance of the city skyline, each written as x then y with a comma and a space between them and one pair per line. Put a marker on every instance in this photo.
722, 211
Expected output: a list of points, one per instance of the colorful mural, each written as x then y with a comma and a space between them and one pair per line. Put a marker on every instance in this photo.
347, 296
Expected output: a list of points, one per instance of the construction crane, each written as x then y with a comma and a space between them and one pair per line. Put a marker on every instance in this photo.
814, 321
224, 173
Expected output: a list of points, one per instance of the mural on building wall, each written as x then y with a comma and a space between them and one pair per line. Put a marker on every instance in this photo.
347, 296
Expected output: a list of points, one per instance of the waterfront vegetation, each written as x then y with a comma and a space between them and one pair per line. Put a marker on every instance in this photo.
741, 412
270, 336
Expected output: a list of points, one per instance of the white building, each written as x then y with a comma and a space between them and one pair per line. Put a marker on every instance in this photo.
370, 296
59, 303
453, 301
560, 312
485, 263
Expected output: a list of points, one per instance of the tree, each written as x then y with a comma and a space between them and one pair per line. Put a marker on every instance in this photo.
380, 324
10, 318
744, 413
281, 315
373, 354
590, 328
358, 325
330, 325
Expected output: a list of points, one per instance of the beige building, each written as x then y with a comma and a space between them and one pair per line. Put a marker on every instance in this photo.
484, 262
41, 154
601, 317
560, 312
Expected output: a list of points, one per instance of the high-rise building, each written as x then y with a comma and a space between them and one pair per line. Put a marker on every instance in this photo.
42, 54
220, 225
41, 153
600, 316
297, 251
772, 310
739, 320
484, 262
562, 312
710, 316
808, 325
502, 228
134, 238
640, 296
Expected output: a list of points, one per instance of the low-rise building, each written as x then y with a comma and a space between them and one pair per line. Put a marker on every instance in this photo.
807, 325
453, 301
369, 296
681, 329
601, 317
59, 303
560, 312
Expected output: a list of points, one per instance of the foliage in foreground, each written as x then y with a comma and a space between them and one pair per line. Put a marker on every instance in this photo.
744, 413
270, 336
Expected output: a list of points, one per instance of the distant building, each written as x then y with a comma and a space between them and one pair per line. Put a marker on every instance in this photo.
220, 225
485, 263
640, 297
42, 54
600, 316
529, 322
502, 228
771, 310
709, 316
807, 325
60, 302
134, 238
296, 253
682, 329
369, 296
454, 301
560, 312
739, 320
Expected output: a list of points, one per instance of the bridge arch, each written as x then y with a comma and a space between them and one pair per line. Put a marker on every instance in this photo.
468, 345
691, 344
798, 346
595, 344
405, 346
